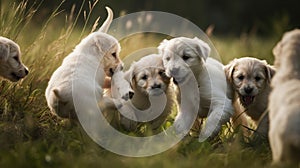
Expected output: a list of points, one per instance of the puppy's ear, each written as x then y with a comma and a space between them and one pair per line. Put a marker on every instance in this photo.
229, 69
270, 72
161, 46
4, 51
202, 48
129, 74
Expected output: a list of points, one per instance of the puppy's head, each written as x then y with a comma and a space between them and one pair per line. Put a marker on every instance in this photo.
180, 54
148, 77
11, 66
248, 77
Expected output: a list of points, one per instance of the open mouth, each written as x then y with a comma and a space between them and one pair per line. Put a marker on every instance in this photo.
247, 100
15, 76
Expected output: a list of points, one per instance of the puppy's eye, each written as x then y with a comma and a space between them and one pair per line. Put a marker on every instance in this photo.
257, 78
168, 58
162, 73
114, 54
16, 58
185, 57
144, 77
241, 77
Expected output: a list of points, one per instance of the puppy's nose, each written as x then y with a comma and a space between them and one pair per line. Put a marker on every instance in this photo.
248, 90
111, 71
174, 71
26, 71
156, 86
131, 94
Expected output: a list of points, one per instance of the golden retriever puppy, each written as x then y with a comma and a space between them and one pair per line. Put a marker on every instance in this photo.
153, 95
184, 55
250, 81
284, 134
93, 59
11, 66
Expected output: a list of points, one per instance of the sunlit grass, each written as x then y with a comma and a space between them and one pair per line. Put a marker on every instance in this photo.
30, 136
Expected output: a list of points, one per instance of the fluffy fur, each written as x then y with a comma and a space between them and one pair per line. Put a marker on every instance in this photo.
284, 104
180, 55
149, 83
250, 81
96, 52
11, 66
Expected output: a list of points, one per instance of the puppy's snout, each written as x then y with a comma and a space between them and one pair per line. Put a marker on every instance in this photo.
248, 90
131, 94
26, 71
156, 86
174, 71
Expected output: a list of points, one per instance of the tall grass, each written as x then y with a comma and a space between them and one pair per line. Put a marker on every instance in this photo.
30, 136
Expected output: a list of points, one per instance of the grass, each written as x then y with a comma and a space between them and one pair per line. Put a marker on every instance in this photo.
30, 136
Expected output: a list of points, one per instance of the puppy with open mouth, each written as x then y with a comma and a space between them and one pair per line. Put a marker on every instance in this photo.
94, 59
250, 81
11, 66
185, 58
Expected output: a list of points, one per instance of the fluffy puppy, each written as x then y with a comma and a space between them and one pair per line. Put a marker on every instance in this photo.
284, 134
11, 66
180, 55
250, 81
153, 95
97, 52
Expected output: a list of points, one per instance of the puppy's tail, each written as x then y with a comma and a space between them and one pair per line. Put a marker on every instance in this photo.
107, 22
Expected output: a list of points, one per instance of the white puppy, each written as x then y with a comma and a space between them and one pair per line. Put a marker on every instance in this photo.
153, 95
183, 54
250, 81
97, 52
284, 134
11, 66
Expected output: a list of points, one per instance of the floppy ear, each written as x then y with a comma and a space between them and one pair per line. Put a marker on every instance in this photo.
162, 45
270, 72
229, 69
4, 51
202, 48
129, 74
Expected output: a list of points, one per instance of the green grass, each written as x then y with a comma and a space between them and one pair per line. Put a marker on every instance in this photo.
30, 136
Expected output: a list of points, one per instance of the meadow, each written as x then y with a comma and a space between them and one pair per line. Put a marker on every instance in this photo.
30, 136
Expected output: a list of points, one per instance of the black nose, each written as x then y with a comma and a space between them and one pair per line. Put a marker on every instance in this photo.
131, 94
111, 71
26, 71
248, 90
156, 86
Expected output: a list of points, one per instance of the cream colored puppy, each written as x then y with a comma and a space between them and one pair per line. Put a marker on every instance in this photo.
153, 95
250, 81
97, 52
11, 66
284, 103
180, 55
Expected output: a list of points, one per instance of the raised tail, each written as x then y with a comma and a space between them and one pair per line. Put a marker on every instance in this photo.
107, 22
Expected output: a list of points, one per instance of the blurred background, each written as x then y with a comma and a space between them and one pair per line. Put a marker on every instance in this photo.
231, 17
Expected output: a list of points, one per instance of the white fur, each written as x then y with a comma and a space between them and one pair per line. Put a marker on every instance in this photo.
11, 66
183, 54
97, 52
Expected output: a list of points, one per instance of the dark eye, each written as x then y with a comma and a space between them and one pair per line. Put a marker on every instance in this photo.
257, 78
241, 77
162, 73
144, 77
168, 58
16, 58
114, 54
185, 57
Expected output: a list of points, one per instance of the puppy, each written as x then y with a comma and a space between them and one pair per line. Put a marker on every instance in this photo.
97, 52
180, 55
11, 66
153, 95
284, 134
250, 81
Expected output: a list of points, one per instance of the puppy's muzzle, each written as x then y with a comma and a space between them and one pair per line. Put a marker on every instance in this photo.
248, 90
